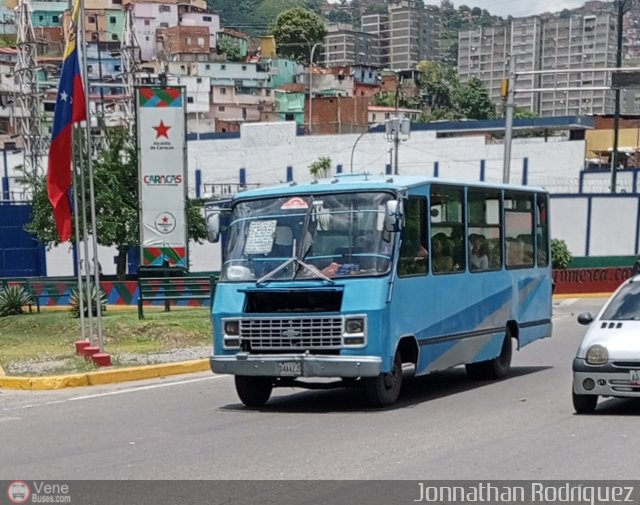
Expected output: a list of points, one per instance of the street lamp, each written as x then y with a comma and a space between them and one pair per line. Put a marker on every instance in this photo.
313, 49
353, 149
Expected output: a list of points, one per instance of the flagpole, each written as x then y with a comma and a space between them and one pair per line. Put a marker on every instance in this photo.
92, 198
77, 241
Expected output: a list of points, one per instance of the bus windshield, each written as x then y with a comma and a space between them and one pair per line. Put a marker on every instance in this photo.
329, 235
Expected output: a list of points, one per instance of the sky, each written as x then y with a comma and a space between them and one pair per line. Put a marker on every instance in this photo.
518, 7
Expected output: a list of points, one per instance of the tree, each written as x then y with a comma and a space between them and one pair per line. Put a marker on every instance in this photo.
320, 167
230, 48
116, 199
296, 30
438, 83
474, 102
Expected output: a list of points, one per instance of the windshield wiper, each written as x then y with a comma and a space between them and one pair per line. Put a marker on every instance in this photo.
294, 261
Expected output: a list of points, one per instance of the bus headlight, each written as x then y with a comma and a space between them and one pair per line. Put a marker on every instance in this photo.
354, 325
232, 328
355, 331
597, 355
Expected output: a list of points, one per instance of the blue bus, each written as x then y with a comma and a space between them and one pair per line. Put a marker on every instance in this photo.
354, 276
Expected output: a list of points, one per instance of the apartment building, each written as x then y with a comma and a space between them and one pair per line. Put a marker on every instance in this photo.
377, 25
344, 46
408, 33
545, 43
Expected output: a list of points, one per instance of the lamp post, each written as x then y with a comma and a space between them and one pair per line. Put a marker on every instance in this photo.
616, 114
313, 50
353, 149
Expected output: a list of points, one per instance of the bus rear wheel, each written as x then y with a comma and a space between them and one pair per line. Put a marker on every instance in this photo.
496, 368
253, 391
383, 390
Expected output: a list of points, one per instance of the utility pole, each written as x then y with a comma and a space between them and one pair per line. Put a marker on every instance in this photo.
28, 96
313, 50
396, 130
616, 113
508, 127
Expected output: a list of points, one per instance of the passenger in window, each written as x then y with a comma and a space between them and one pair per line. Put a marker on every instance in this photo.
442, 260
515, 252
479, 258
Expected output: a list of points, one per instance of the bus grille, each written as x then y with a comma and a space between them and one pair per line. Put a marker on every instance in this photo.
292, 333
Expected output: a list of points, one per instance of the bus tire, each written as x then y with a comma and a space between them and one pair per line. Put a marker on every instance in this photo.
496, 368
584, 404
383, 390
253, 391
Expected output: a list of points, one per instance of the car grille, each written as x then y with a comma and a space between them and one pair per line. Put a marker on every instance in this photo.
627, 365
292, 333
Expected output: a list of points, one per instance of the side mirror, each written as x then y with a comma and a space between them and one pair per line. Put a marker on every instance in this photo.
394, 216
585, 318
213, 227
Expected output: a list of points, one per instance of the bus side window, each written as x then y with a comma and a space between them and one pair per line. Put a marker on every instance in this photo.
484, 224
414, 254
542, 229
447, 229
518, 229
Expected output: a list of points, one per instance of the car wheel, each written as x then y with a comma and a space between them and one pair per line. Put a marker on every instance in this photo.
584, 404
254, 391
496, 368
383, 390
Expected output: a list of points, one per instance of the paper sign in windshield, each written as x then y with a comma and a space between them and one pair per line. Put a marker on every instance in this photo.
260, 237
295, 203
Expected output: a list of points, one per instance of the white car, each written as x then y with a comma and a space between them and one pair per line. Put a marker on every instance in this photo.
608, 360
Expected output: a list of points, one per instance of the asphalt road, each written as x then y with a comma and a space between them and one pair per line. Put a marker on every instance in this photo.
445, 426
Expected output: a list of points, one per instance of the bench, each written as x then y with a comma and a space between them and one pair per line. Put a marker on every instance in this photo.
168, 289
51, 289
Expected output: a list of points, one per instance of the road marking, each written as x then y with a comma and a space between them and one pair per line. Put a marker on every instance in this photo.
143, 388
112, 393
7, 419
567, 302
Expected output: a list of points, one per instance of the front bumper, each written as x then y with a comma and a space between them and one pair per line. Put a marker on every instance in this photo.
278, 365
609, 380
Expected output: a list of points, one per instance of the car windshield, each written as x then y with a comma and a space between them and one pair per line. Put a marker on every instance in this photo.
625, 305
311, 236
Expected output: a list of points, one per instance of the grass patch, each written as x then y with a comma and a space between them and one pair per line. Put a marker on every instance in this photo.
50, 335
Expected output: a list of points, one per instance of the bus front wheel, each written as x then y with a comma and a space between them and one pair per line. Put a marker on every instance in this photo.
254, 391
383, 390
496, 368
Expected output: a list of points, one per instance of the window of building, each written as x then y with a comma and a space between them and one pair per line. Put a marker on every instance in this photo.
223, 91
116, 2
147, 38
164, 25
188, 40
207, 67
114, 36
164, 8
221, 108
49, 106
56, 19
223, 67
189, 99
92, 19
112, 20
244, 67
89, 68
147, 23
206, 18
40, 18
117, 68
200, 41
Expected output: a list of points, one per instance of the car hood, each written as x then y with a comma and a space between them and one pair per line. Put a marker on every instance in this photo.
621, 338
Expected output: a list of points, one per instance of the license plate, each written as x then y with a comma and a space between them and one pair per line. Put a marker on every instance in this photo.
634, 377
290, 368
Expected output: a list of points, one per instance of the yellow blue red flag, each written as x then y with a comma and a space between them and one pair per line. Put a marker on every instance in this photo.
70, 109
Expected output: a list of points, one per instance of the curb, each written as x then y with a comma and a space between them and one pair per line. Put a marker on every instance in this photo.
104, 376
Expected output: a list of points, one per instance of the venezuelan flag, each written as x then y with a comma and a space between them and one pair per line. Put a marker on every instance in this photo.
70, 109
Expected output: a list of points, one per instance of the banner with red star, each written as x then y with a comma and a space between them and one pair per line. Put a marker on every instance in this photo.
163, 176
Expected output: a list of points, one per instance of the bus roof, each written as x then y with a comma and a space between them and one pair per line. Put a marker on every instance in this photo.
365, 182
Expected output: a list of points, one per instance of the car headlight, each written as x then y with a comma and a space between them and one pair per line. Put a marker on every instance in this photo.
597, 355
355, 325
232, 328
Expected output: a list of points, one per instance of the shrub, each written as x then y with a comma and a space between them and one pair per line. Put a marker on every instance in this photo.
74, 301
320, 167
561, 257
12, 299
